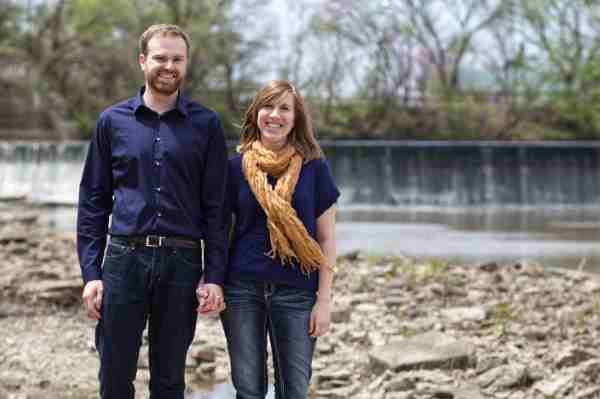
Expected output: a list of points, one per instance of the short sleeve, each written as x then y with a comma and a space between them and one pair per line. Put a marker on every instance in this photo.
326, 191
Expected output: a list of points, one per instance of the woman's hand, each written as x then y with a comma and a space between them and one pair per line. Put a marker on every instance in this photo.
320, 318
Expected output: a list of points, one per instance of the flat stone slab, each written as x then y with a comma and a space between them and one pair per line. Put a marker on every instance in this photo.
426, 351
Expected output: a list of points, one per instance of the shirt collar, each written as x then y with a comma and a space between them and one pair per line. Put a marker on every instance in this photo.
180, 105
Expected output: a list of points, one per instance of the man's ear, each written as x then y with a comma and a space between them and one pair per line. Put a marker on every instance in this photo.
142, 60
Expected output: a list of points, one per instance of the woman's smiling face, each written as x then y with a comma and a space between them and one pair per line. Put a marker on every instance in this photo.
276, 121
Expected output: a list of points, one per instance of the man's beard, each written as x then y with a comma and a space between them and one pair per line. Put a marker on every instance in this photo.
163, 86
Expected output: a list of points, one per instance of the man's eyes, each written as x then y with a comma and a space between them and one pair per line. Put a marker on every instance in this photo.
159, 58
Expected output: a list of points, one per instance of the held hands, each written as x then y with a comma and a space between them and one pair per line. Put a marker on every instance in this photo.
92, 298
320, 318
210, 299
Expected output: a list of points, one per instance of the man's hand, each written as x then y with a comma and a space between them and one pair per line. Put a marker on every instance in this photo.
92, 298
210, 299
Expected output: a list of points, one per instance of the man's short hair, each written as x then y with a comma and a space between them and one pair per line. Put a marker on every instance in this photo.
162, 30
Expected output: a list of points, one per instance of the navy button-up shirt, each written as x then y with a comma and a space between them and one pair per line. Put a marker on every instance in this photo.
156, 174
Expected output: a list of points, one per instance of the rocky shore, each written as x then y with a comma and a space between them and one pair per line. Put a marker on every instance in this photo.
401, 329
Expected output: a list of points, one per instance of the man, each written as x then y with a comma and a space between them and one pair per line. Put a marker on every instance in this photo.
157, 163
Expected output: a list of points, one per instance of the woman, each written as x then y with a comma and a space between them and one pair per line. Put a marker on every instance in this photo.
282, 195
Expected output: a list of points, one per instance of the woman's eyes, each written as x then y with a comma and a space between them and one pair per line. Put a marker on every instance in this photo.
283, 107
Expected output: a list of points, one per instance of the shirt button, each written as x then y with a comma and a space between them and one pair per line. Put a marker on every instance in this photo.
158, 189
156, 163
159, 214
158, 139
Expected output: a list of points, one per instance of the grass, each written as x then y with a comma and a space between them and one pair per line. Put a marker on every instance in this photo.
503, 315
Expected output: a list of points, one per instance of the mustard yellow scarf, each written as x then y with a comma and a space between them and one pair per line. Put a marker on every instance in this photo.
289, 238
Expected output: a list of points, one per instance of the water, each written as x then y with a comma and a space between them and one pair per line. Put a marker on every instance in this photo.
466, 173
43, 172
556, 236
400, 173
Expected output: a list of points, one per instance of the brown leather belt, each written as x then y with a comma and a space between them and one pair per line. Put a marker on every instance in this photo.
154, 241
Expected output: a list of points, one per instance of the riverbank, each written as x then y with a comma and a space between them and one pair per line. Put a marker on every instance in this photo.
401, 329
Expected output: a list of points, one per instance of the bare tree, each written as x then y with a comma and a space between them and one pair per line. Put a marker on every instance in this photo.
369, 57
445, 29
565, 37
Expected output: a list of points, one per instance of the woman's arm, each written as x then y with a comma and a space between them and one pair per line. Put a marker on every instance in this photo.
321, 313
326, 239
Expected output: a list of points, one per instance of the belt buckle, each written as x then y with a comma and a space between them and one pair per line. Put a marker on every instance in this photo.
154, 241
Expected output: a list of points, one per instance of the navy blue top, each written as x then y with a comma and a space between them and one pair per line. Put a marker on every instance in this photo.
156, 174
315, 192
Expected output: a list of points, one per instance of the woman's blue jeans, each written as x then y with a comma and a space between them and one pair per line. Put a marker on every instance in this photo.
255, 310
154, 285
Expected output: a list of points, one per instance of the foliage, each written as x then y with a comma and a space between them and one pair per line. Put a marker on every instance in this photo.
405, 69
503, 315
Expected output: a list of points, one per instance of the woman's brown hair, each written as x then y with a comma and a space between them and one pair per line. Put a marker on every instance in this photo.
301, 136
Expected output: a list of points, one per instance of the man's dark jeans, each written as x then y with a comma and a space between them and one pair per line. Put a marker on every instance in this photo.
255, 309
154, 285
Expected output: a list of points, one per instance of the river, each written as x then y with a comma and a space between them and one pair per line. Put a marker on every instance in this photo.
558, 236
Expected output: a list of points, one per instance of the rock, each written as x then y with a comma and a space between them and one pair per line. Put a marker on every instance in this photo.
457, 393
459, 314
507, 376
366, 308
351, 256
433, 376
203, 353
488, 362
329, 384
338, 393
341, 310
529, 268
535, 333
400, 383
63, 292
324, 348
206, 371
467, 393
589, 393
397, 283
143, 361
376, 383
426, 351
12, 380
394, 301
555, 385
487, 266
405, 337
572, 356
340, 374
590, 286
221, 373
361, 298
435, 289
476, 295
590, 369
